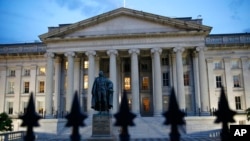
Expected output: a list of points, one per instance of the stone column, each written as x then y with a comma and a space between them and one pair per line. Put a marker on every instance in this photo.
91, 76
77, 75
203, 81
157, 81
211, 83
49, 84
180, 80
135, 80
113, 76
3, 89
246, 79
229, 82
196, 83
70, 80
57, 84
19, 89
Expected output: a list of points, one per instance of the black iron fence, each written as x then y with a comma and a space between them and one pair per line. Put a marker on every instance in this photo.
124, 118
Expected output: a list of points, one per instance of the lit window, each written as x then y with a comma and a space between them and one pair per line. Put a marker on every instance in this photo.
127, 83
26, 87
218, 80
42, 71
11, 87
145, 83
66, 65
238, 103
10, 108
86, 64
40, 107
186, 79
86, 79
236, 80
41, 87
165, 79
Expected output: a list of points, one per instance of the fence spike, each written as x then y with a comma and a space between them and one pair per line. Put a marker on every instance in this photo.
124, 118
174, 116
30, 119
225, 115
75, 119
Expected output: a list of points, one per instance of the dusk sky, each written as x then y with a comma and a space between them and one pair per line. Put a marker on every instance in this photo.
22, 21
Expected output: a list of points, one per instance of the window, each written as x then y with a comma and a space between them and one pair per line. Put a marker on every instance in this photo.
40, 107
186, 79
165, 79
85, 83
26, 72
217, 65
41, 87
235, 64
12, 73
236, 80
11, 87
237, 103
164, 61
25, 104
126, 67
26, 87
127, 83
145, 83
42, 71
218, 80
10, 108
86, 64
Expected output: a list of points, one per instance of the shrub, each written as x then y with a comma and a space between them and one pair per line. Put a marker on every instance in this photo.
5, 122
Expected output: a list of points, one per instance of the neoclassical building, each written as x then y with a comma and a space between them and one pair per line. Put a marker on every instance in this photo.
142, 53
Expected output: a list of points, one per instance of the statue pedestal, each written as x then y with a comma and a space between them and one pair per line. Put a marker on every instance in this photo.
101, 125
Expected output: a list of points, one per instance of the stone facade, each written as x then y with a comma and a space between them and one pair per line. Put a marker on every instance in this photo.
143, 53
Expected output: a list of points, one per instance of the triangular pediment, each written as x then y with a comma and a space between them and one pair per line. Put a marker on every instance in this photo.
123, 21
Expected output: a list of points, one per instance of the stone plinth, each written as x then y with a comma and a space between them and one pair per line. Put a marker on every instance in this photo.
102, 125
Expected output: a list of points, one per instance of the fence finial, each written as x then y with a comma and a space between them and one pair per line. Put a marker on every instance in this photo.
75, 119
124, 118
30, 119
225, 115
174, 116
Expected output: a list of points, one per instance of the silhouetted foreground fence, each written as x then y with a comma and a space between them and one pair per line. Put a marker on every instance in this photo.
124, 118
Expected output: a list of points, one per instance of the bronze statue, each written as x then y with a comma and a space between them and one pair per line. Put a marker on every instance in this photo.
102, 93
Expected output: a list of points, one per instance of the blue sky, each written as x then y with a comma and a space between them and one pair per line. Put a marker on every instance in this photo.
23, 20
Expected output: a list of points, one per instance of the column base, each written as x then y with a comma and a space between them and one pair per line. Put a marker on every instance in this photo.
50, 116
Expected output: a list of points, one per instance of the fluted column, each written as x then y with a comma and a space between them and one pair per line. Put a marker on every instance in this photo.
180, 80
70, 80
157, 81
77, 75
57, 84
246, 80
113, 76
135, 80
3, 90
203, 80
91, 76
49, 84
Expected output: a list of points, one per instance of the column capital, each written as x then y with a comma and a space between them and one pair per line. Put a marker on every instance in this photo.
153, 50
134, 50
112, 51
178, 49
91, 52
69, 54
201, 48
49, 54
